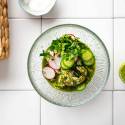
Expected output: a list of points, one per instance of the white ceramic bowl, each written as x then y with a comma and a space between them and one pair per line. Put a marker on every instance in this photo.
25, 6
69, 98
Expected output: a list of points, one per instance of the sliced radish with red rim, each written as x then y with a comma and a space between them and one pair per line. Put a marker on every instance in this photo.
48, 73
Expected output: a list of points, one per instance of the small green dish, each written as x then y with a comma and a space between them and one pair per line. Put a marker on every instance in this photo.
122, 72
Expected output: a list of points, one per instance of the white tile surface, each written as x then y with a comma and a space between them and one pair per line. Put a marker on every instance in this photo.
14, 70
119, 108
81, 8
19, 108
119, 51
119, 8
15, 11
102, 27
96, 112
23, 107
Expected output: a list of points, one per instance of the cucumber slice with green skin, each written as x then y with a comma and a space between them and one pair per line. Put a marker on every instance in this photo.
68, 63
63, 66
89, 62
87, 55
81, 87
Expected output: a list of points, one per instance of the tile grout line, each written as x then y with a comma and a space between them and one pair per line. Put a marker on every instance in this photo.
112, 107
78, 18
16, 90
113, 63
69, 18
23, 18
12, 18
119, 17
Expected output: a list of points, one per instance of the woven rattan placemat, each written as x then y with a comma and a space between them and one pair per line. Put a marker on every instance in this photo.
4, 30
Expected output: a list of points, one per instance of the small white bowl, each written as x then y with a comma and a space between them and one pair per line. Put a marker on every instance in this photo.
26, 8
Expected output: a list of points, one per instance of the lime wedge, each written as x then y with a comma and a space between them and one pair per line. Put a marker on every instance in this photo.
122, 72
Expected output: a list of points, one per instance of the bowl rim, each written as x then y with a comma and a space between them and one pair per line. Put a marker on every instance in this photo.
97, 92
38, 13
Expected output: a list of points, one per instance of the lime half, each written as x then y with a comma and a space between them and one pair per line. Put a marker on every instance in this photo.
122, 72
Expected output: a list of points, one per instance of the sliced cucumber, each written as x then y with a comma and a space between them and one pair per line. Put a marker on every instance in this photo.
90, 62
87, 55
81, 87
64, 66
68, 63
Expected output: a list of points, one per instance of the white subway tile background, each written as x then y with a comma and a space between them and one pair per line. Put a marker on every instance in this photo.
21, 105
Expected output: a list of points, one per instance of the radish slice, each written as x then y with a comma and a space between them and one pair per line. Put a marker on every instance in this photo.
48, 73
55, 64
58, 61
